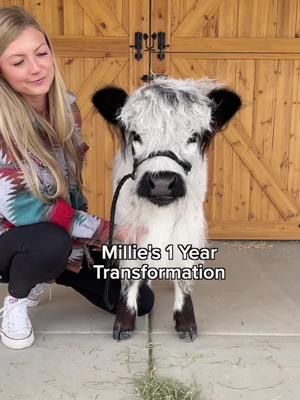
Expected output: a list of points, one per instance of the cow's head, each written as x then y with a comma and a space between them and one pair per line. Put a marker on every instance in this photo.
165, 128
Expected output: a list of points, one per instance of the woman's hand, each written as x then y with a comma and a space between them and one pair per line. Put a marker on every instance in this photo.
122, 233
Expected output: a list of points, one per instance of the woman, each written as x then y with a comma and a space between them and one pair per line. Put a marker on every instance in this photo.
45, 230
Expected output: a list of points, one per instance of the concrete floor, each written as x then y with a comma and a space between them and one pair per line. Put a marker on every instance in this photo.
248, 345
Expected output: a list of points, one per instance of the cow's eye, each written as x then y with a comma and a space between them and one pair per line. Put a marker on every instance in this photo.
193, 138
135, 137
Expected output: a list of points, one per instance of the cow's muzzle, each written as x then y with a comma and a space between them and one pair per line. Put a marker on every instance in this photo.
161, 188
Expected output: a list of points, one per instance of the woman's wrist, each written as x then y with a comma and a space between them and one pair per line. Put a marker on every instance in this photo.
103, 232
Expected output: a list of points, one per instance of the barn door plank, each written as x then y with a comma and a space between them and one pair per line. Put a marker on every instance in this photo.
197, 17
103, 18
294, 151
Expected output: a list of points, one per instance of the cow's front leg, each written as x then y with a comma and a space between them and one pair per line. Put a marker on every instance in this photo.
185, 322
126, 312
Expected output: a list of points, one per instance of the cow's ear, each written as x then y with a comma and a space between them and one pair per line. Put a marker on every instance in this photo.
225, 104
109, 101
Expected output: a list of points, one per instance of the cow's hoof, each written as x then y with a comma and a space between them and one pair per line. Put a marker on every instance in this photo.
124, 322
189, 334
186, 325
120, 333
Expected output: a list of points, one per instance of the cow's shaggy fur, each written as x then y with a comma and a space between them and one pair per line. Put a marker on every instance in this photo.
168, 115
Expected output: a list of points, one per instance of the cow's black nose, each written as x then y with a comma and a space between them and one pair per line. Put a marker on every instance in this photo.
161, 188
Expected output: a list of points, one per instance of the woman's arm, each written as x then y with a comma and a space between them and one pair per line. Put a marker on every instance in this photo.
20, 207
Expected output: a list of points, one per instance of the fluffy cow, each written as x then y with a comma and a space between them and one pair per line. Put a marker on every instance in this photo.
164, 127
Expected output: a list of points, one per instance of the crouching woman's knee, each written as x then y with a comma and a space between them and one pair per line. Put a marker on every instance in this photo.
42, 254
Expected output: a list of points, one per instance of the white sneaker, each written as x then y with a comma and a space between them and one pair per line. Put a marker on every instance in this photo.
33, 297
16, 330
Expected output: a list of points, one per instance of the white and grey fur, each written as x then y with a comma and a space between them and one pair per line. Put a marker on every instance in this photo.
167, 114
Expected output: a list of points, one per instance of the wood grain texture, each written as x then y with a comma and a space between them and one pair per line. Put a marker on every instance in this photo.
196, 18
254, 230
103, 17
241, 45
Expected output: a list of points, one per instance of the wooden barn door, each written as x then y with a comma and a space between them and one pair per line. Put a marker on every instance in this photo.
254, 47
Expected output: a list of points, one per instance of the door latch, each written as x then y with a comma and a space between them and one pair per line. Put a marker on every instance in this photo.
161, 44
150, 45
138, 45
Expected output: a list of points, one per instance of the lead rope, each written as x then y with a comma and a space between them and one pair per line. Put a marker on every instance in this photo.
111, 232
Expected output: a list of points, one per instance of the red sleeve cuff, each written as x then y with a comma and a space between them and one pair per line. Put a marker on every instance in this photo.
8, 225
62, 214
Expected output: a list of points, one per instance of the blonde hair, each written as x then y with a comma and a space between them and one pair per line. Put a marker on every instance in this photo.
27, 135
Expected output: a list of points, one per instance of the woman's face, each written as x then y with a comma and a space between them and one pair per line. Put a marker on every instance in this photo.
27, 64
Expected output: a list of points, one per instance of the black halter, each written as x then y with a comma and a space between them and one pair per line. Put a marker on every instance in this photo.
183, 163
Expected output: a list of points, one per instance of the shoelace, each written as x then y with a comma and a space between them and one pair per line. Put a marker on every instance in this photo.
40, 287
20, 315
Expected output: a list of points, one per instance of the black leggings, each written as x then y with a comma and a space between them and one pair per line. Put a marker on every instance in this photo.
39, 253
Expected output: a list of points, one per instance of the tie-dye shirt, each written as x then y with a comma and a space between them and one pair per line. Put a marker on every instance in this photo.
18, 206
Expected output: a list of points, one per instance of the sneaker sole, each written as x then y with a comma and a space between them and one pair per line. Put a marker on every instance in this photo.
32, 302
17, 344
